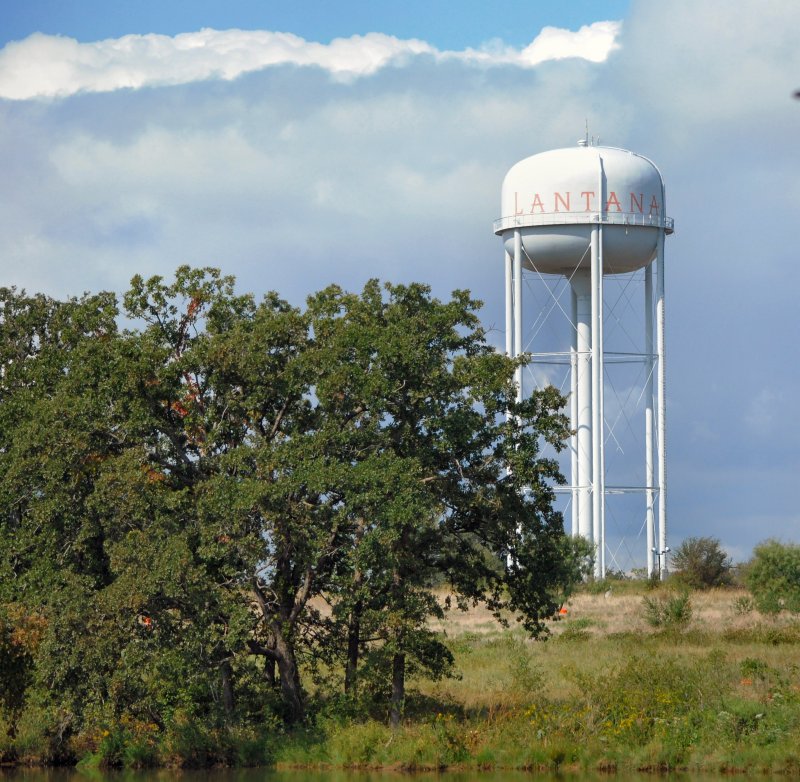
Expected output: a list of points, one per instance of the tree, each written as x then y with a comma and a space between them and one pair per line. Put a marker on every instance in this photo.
415, 403
701, 563
231, 398
179, 497
60, 427
110, 444
773, 576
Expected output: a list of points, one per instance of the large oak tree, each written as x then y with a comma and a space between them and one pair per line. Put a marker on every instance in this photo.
183, 497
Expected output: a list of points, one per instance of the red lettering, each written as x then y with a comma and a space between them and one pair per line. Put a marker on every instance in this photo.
612, 199
537, 201
564, 202
517, 210
587, 194
654, 205
637, 203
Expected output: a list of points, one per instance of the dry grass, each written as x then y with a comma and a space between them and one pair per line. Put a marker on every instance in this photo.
598, 632
620, 611
606, 691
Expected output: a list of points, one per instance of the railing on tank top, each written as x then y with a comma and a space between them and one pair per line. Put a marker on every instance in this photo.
583, 218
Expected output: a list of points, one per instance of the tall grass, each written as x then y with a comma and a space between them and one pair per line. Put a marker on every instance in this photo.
668, 612
707, 688
713, 689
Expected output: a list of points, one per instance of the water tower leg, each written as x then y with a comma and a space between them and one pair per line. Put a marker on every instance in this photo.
650, 522
601, 407
512, 305
597, 412
582, 289
573, 408
509, 307
518, 307
661, 422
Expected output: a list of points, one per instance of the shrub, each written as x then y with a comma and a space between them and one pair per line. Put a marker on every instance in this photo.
769, 634
651, 697
598, 586
773, 577
577, 630
668, 612
701, 563
39, 734
743, 604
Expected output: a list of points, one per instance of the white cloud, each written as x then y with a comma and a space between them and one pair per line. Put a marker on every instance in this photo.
291, 179
44, 66
592, 42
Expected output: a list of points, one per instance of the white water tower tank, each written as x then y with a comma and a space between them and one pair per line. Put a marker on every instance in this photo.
585, 212
555, 197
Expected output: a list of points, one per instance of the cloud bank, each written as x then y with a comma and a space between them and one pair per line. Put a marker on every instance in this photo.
46, 66
291, 177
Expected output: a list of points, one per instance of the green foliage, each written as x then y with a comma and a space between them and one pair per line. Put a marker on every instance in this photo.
39, 736
652, 709
773, 577
180, 496
631, 703
764, 633
525, 678
668, 611
576, 630
744, 604
701, 563
20, 636
653, 581
613, 579
647, 699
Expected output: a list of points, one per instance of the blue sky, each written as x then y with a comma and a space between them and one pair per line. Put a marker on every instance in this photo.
444, 23
290, 159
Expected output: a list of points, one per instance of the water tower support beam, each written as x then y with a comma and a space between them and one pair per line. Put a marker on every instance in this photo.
518, 307
581, 478
596, 282
661, 421
650, 479
573, 408
509, 307
601, 402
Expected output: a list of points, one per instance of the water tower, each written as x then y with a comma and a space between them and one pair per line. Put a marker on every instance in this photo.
582, 214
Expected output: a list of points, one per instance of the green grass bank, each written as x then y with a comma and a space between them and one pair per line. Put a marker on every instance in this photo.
716, 689
631, 679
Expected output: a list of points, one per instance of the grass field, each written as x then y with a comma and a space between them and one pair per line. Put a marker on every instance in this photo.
715, 687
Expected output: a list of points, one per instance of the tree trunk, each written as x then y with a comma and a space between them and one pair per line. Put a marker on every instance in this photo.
353, 638
354, 620
399, 659
398, 688
353, 648
290, 677
228, 701
282, 650
269, 671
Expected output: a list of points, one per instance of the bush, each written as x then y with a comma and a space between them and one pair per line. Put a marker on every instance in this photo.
651, 697
701, 563
773, 577
668, 612
577, 630
39, 734
744, 604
